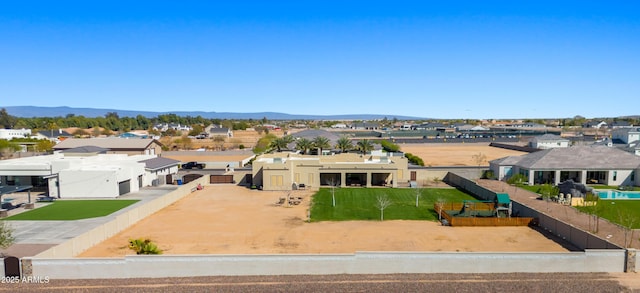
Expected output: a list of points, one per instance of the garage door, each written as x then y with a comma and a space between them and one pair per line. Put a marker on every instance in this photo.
124, 187
219, 179
190, 177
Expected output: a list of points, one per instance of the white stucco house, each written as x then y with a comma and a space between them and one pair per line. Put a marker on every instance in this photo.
10, 134
548, 141
66, 175
593, 164
626, 135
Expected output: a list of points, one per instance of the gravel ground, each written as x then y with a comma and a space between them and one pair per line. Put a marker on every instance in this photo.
564, 282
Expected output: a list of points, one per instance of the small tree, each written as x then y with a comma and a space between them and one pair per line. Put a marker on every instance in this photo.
627, 221
593, 208
439, 207
333, 184
418, 192
436, 181
218, 141
479, 158
382, 202
547, 192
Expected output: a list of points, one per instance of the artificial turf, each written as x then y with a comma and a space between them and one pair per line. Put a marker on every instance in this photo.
73, 210
360, 203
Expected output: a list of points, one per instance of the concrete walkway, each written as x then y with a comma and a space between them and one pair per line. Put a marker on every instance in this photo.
33, 237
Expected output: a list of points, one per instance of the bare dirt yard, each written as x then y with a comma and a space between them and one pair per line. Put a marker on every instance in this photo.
458, 154
219, 156
228, 219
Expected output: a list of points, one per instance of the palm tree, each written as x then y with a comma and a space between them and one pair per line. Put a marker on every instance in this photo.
281, 142
344, 144
304, 145
365, 146
321, 143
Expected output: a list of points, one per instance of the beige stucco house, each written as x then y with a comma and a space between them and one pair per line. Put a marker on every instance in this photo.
287, 171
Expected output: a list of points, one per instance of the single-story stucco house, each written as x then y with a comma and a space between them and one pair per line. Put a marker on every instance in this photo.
593, 164
287, 171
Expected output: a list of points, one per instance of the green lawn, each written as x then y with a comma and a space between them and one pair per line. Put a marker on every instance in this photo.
73, 210
633, 188
360, 203
618, 211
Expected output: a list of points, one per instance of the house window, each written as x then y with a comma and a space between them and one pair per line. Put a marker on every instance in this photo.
615, 175
633, 176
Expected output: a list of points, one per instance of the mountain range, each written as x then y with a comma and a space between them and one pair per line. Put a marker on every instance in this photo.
35, 111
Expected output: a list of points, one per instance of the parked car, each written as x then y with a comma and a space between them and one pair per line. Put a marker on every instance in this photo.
192, 165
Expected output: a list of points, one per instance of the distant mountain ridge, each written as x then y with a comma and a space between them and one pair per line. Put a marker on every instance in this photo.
35, 111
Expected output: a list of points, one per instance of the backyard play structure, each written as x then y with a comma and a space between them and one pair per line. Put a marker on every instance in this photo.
480, 213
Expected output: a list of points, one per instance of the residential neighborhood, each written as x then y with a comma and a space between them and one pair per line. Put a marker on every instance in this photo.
298, 146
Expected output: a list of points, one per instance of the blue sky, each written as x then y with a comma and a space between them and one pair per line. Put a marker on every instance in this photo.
462, 59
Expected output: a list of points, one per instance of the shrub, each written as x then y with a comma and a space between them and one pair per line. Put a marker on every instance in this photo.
517, 178
414, 159
6, 235
488, 174
144, 246
389, 146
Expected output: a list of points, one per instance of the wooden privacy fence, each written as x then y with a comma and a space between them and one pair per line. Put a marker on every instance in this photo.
481, 221
444, 209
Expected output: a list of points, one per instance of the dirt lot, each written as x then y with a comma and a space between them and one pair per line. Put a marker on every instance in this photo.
209, 157
229, 219
461, 154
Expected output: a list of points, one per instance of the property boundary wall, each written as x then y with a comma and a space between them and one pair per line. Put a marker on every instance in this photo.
578, 237
514, 147
328, 264
469, 186
92, 237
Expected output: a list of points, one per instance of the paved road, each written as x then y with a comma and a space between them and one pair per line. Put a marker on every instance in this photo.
563, 282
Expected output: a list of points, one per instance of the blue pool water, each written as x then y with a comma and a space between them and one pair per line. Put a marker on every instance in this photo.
614, 194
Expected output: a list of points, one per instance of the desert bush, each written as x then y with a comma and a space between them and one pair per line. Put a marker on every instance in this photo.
144, 246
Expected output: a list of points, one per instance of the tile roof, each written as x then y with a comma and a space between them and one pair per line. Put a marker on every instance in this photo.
86, 150
548, 137
159, 163
578, 158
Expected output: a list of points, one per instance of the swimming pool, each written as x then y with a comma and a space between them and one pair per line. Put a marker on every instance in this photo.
615, 194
